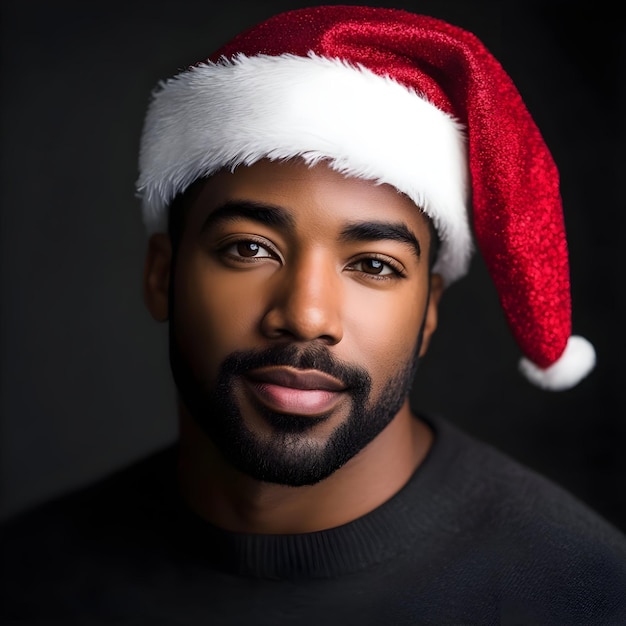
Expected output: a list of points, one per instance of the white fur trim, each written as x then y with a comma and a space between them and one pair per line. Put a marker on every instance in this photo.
578, 359
236, 112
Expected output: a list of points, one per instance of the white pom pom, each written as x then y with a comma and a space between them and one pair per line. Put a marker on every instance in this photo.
578, 359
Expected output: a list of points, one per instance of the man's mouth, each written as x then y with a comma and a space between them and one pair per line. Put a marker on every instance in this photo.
291, 390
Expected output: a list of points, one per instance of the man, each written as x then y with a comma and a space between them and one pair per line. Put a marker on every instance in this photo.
310, 193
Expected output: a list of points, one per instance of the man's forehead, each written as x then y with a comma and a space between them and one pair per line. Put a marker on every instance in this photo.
289, 189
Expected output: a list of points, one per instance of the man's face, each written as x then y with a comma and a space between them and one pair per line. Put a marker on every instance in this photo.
298, 308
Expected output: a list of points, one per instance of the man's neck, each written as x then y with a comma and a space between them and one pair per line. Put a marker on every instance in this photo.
229, 499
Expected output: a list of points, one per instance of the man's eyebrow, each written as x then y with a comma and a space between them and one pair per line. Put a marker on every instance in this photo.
379, 231
267, 214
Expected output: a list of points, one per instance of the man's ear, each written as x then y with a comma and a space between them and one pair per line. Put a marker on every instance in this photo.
431, 314
156, 276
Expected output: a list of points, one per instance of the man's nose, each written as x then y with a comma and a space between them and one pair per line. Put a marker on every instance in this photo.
306, 302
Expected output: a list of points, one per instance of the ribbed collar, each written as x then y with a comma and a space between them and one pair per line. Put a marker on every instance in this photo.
378, 536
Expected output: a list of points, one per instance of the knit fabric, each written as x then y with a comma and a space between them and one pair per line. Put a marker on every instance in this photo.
473, 538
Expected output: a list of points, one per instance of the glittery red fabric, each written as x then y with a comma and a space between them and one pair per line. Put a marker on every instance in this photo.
517, 214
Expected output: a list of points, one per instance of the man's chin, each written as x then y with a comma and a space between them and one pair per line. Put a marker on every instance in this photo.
291, 424
288, 447
293, 450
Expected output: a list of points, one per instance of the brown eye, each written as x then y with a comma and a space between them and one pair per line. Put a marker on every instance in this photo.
374, 266
248, 248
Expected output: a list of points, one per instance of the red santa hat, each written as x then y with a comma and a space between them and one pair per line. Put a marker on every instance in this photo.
397, 98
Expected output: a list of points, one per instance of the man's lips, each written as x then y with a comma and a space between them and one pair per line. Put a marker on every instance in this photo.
296, 379
290, 390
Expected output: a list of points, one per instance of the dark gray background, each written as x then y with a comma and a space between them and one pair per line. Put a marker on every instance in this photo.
85, 383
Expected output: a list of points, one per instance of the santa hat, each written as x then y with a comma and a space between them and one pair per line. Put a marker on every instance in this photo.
397, 98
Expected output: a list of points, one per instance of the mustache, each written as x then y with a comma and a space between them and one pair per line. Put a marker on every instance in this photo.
354, 377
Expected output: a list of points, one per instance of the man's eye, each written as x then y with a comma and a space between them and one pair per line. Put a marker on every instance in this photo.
249, 249
374, 266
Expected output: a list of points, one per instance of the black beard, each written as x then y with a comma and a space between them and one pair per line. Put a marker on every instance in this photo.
288, 456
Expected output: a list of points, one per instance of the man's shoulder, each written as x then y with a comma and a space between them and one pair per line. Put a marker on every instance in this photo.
134, 487
90, 531
528, 537
58, 555
499, 491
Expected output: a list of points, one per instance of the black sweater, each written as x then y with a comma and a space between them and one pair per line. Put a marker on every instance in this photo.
473, 538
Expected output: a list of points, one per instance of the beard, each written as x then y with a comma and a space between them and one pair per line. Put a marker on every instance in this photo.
289, 455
